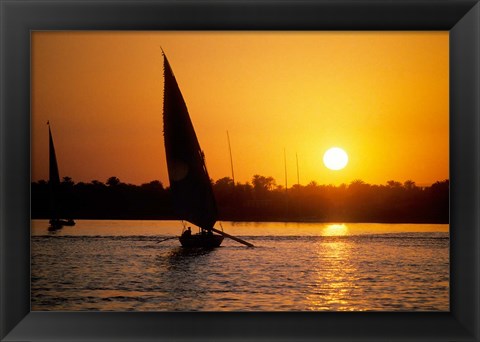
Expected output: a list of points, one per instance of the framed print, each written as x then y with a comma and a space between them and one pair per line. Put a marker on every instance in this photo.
72, 271
311, 233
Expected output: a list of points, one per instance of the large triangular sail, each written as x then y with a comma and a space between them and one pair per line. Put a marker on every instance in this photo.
191, 188
54, 177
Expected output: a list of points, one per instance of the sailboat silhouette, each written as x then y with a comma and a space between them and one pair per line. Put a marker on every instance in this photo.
54, 182
190, 184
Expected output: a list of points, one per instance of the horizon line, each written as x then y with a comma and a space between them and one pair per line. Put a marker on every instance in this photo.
249, 182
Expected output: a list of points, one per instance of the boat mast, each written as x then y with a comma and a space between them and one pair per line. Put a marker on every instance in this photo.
298, 174
286, 184
231, 159
285, 162
298, 189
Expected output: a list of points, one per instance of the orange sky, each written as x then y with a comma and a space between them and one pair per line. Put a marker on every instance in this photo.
383, 97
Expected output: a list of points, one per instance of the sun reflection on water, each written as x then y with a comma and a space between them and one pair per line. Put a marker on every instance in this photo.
335, 230
334, 282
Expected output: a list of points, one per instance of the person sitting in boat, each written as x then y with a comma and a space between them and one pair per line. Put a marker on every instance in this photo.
187, 233
206, 232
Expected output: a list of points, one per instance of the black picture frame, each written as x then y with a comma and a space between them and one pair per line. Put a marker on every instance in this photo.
18, 18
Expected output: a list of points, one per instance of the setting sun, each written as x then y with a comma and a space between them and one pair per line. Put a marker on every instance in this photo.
369, 93
335, 158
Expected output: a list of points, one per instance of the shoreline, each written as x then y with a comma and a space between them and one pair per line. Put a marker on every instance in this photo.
252, 221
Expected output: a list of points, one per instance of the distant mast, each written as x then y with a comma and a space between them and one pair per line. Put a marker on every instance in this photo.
285, 162
298, 174
231, 159
286, 184
298, 187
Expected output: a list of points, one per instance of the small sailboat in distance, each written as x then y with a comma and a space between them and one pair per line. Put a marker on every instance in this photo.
54, 183
190, 184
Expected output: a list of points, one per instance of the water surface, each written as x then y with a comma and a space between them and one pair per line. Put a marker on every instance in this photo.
120, 266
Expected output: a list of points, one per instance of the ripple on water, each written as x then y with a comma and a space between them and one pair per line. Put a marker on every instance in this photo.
383, 272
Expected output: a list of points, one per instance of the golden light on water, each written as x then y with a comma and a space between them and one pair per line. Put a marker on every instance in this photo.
335, 277
335, 230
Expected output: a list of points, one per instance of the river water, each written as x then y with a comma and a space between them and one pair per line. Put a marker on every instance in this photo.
120, 266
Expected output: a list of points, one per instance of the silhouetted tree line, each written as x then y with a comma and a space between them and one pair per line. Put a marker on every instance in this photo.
259, 200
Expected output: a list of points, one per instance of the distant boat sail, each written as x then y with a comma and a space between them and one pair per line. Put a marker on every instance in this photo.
54, 182
190, 184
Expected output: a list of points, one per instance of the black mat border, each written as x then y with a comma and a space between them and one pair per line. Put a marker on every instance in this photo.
18, 18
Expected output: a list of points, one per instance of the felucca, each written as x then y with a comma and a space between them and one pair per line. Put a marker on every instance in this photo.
190, 185
54, 182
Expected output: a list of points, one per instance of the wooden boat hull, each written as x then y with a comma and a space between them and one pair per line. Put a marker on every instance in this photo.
201, 241
59, 223
54, 226
69, 223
